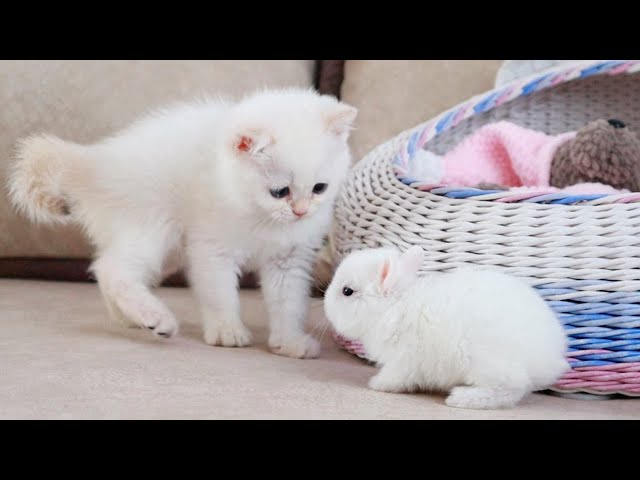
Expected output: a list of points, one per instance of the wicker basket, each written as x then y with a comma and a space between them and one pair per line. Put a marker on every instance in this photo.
582, 253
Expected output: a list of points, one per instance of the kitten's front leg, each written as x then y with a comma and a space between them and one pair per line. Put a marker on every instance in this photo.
214, 279
286, 283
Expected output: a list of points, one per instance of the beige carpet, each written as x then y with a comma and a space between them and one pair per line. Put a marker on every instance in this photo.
59, 359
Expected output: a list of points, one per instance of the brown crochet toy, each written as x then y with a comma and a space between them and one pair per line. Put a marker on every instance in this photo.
606, 152
603, 151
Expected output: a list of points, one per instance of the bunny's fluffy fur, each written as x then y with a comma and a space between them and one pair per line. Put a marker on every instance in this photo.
486, 337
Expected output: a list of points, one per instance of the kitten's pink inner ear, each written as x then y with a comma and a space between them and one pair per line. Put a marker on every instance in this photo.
252, 142
244, 145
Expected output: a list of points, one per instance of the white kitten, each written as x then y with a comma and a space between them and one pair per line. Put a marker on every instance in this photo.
487, 338
212, 186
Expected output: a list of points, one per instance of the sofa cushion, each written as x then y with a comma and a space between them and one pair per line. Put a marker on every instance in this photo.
393, 95
85, 100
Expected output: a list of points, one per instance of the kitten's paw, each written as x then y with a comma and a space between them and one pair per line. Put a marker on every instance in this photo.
227, 335
162, 324
300, 346
382, 384
482, 398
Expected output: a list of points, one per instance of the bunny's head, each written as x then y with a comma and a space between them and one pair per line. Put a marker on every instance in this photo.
366, 284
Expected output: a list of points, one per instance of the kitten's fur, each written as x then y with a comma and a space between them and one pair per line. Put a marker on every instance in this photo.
486, 337
189, 185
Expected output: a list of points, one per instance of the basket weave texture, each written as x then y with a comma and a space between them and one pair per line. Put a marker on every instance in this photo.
582, 253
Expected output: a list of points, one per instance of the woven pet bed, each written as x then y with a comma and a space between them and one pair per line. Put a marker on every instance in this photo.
582, 253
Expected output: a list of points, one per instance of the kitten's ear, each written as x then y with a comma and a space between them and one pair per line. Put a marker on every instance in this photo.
340, 119
400, 272
252, 143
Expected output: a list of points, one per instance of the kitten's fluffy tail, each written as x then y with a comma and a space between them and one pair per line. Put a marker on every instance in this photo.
42, 176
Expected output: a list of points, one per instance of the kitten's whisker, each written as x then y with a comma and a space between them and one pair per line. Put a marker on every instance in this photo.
326, 325
320, 325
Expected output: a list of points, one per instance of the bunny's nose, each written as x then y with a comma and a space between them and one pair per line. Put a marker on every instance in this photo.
616, 123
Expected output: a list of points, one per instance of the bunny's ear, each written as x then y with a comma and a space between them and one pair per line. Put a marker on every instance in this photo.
398, 273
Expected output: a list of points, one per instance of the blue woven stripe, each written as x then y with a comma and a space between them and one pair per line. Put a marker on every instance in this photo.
535, 85
599, 343
591, 363
411, 147
616, 357
578, 198
600, 67
469, 193
602, 333
488, 103
613, 297
561, 306
443, 124
550, 198
597, 320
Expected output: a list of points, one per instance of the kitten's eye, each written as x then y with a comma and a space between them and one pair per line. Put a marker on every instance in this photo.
347, 291
319, 188
279, 192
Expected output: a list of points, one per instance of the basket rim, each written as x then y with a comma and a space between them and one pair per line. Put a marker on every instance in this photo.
415, 138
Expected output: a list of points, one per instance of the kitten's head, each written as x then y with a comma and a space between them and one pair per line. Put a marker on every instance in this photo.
365, 284
290, 149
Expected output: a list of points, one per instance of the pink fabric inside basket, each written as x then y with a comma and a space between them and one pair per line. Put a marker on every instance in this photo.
503, 153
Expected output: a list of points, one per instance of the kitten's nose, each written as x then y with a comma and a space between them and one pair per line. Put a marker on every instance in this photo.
300, 212
300, 208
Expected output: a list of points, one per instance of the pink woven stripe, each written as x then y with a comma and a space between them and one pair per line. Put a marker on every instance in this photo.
600, 389
506, 96
427, 187
462, 114
595, 383
615, 378
602, 383
604, 376
620, 367
632, 197
623, 68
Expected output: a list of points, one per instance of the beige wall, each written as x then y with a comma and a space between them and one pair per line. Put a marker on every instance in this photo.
394, 95
83, 100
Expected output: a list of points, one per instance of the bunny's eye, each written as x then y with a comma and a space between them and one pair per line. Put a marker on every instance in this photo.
347, 291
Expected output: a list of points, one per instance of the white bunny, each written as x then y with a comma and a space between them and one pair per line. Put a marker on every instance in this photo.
487, 338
